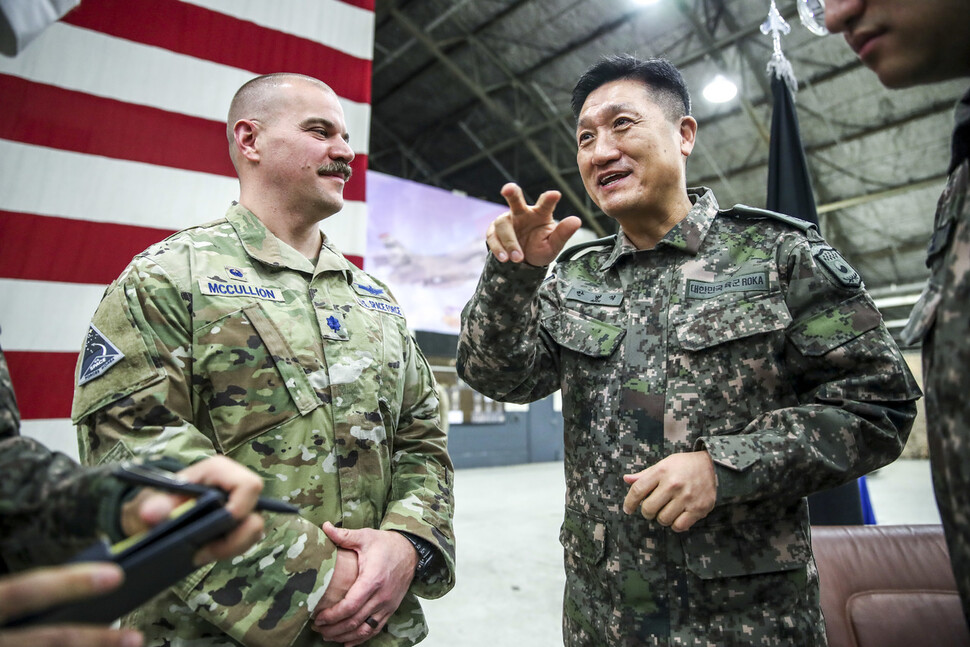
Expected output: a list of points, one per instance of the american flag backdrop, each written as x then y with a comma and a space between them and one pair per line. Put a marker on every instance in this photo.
112, 136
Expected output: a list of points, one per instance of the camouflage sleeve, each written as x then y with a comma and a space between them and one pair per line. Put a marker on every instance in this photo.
51, 508
9, 412
501, 350
144, 406
857, 398
422, 480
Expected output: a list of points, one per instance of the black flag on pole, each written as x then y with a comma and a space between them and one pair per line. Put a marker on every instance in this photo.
789, 185
790, 193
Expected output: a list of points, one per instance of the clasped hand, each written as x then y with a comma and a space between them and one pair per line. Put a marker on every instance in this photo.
677, 491
373, 571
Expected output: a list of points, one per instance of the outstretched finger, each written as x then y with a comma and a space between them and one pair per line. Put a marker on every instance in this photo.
547, 202
564, 231
513, 195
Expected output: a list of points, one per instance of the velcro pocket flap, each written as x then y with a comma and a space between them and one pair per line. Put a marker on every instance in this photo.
583, 334
838, 325
747, 549
735, 320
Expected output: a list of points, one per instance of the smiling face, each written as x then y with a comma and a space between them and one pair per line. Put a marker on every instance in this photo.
905, 42
631, 155
304, 150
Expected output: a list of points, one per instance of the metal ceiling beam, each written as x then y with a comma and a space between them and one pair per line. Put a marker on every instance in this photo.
499, 111
865, 198
403, 82
929, 111
701, 30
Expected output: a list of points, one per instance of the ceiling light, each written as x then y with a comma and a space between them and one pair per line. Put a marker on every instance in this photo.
645, 2
720, 90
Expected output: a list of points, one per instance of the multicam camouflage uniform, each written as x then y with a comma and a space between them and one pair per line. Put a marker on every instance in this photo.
741, 333
50, 507
940, 321
222, 339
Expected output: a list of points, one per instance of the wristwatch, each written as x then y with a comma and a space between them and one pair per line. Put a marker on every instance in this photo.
425, 550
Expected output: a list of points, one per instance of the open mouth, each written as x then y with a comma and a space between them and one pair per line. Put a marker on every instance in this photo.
607, 180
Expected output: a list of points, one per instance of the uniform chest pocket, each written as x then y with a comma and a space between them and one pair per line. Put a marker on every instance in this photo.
733, 321
248, 376
583, 334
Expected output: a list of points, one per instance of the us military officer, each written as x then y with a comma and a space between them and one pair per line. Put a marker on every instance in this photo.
908, 44
51, 508
253, 337
715, 366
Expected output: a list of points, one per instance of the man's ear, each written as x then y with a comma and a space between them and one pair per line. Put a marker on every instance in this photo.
688, 133
244, 132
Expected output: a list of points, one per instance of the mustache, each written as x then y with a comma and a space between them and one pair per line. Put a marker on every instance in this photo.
343, 168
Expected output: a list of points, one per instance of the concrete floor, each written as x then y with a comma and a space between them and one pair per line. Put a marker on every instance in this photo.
510, 572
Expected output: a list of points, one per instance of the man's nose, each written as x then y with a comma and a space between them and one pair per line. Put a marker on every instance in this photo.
839, 14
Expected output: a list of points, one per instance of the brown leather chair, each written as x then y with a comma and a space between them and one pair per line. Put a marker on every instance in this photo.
888, 586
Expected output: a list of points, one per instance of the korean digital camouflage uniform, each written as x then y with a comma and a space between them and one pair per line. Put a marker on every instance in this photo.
222, 339
50, 507
940, 319
741, 333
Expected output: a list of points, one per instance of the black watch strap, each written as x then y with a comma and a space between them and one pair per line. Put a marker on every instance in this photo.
426, 552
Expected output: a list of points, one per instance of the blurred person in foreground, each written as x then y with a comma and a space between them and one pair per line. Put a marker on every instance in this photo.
907, 44
51, 508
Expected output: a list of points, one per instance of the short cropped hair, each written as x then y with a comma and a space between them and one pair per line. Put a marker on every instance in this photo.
663, 81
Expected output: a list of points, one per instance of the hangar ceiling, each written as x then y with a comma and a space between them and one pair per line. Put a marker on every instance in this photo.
471, 94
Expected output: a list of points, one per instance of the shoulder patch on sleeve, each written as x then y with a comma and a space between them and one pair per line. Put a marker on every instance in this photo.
98, 356
578, 250
836, 265
753, 212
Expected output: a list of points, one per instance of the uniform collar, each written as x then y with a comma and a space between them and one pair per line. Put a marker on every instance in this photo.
263, 246
687, 235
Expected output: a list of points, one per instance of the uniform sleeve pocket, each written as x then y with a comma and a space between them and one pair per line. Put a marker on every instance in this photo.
135, 370
735, 320
583, 536
747, 549
838, 325
583, 334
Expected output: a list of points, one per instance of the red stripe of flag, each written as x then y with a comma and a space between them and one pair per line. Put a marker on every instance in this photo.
75, 251
42, 382
362, 4
212, 36
45, 115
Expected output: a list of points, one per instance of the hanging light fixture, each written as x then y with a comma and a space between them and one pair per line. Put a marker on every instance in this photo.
720, 90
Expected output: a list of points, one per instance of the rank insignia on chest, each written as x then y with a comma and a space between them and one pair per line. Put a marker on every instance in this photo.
332, 327
837, 266
99, 355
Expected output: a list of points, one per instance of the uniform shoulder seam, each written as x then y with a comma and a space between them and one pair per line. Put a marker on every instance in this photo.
576, 250
754, 212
